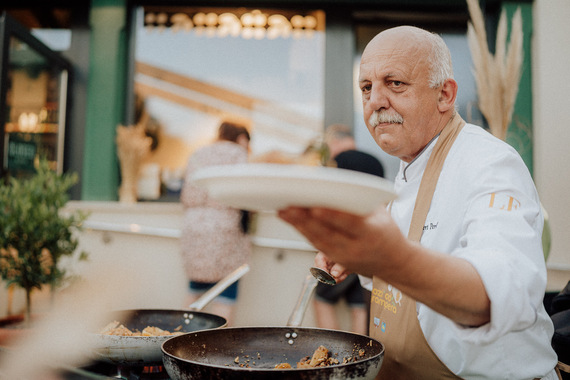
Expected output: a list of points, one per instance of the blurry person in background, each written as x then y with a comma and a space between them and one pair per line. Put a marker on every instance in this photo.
339, 138
214, 241
343, 154
341, 145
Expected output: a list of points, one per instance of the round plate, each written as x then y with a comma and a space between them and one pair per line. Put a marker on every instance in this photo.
271, 187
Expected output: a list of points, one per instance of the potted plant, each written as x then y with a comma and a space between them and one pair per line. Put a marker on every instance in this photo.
34, 233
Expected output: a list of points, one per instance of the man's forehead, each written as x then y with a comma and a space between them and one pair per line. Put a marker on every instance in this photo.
395, 64
392, 55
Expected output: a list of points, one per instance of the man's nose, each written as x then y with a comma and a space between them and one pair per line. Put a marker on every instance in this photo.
379, 98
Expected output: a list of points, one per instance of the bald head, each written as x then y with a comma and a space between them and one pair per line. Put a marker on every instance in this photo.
416, 43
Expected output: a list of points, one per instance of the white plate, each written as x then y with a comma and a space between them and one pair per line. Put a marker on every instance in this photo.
271, 187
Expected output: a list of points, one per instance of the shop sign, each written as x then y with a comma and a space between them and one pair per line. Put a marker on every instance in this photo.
21, 154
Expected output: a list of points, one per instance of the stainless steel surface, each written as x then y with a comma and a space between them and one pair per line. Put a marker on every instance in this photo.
296, 317
323, 276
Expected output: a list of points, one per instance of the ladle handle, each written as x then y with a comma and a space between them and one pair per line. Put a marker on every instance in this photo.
220, 286
296, 317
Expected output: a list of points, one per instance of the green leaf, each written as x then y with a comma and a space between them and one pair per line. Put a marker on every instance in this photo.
34, 233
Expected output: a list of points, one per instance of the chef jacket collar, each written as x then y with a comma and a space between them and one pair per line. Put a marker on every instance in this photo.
423, 153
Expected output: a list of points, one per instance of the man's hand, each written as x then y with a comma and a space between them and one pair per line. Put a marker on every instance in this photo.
372, 245
357, 243
336, 270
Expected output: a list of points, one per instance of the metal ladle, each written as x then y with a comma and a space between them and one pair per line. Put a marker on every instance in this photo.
323, 276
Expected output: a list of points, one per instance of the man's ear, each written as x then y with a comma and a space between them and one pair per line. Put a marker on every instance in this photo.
447, 95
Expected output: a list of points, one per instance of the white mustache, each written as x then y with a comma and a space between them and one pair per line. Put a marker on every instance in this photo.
383, 116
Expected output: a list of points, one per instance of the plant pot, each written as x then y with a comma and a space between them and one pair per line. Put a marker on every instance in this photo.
13, 329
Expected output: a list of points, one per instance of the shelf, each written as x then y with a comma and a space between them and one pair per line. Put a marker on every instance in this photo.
41, 129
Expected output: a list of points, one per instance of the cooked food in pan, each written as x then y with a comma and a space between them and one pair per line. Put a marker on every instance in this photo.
116, 328
321, 358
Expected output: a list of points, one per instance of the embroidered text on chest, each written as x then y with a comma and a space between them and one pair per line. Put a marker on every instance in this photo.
430, 226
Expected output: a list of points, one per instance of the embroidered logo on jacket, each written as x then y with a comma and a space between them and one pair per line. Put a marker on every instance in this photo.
503, 202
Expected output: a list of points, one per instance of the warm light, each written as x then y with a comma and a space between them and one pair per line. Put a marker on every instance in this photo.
247, 20
310, 22
211, 19
229, 25
254, 24
259, 19
199, 30
43, 114
278, 26
276, 20
272, 33
228, 18
309, 33
28, 122
23, 122
223, 31
258, 33
162, 18
199, 19
181, 21
211, 31
150, 18
298, 33
298, 21
247, 32
33, 120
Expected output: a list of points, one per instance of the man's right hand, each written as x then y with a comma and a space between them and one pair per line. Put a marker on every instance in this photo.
336, 270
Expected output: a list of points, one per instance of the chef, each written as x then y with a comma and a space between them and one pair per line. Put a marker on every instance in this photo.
455, 263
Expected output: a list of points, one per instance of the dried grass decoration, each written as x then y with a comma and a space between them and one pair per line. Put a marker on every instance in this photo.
497, 76
132, 147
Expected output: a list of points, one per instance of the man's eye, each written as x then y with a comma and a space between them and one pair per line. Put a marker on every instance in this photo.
366, 88
397, 83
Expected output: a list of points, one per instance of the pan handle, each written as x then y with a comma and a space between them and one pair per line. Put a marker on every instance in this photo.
220, 286
296, 317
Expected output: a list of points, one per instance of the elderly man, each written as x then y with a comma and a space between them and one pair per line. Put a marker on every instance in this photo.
456, 260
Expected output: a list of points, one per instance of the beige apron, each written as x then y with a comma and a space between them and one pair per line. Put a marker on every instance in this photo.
393, 319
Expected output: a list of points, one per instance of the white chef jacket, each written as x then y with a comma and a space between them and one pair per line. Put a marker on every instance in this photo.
486, 210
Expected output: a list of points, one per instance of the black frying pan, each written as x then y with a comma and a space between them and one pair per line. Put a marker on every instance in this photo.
253, 352
145, 350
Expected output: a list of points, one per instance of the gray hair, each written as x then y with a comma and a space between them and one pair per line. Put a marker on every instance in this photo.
439, 61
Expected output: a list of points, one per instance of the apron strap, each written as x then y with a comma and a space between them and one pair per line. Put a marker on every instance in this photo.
408, 355
431, 175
